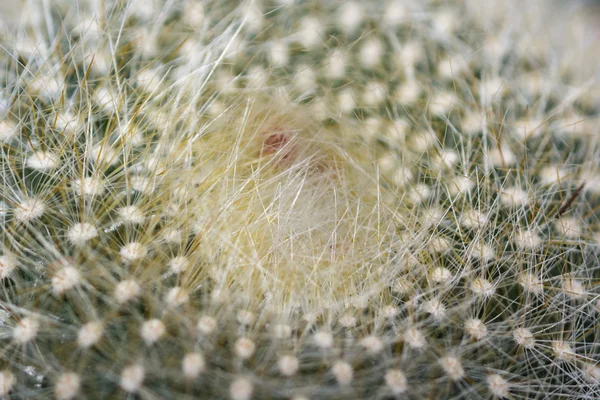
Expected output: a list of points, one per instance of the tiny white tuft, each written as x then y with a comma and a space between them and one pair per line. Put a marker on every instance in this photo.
371, 53
452, 367
66, 278
592, 373
563, 350
396, 381
126, 290
414, 338
131, 214
343, 372
475, 328
133, 251
436, 308
43, 161
514, 197
90, 186
282, 331
350, 16
288, 365
336, 66
523, 337
395, 13
81, 233
570, 228
245, 317
7, 381
7, 130
323, 339
132, 378
206, 325
574, 288
311, 32
372, 344
527, 239
441, 275
347, 321
531, 283
179, 264
67, 386
193, 365
244, 348
29, 210
26, 330
152, 330
408, 93
8, 263
89, 334
177, 296
241, 389
498, 385
482, 287
473, 219
279, 54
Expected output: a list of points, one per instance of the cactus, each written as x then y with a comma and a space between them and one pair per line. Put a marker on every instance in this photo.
298, 200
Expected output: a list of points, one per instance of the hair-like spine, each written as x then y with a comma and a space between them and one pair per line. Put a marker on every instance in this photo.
297, 199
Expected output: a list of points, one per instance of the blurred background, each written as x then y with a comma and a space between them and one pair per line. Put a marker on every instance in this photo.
585, 23
590, 11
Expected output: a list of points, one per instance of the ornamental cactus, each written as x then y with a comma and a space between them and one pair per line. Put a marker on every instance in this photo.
298, 200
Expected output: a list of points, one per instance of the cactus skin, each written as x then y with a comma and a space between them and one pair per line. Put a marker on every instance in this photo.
297, 200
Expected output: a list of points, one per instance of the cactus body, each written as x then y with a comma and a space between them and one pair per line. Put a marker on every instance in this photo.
299, 200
